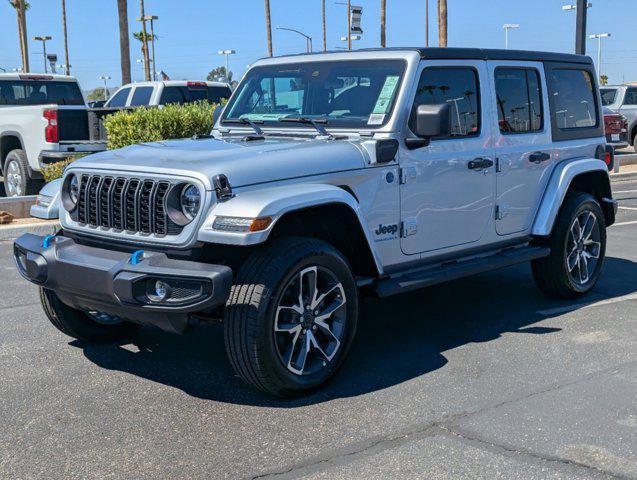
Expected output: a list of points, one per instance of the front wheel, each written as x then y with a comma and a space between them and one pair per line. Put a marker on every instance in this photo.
291, 316
17, 180
578, 248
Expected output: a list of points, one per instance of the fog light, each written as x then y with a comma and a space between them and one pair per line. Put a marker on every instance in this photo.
160, 291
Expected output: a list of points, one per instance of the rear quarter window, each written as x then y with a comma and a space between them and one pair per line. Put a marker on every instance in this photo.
609, 95
141, 96
37, 92
119, 99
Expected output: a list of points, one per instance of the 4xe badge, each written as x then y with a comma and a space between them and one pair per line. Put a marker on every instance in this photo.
390, 230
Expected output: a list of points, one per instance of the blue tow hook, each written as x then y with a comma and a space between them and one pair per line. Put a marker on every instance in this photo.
46, 243
136, 257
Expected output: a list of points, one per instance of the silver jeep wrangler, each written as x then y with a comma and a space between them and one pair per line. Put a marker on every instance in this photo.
328, 176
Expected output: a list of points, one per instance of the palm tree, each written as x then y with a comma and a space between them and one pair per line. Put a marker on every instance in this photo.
268, 26
66, 45
144, 38
21, 6
442, 23
124, 47
383, 16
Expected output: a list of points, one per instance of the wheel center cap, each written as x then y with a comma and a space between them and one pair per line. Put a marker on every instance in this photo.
307, 319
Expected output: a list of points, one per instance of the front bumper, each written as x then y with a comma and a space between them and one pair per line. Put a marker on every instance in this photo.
94, 279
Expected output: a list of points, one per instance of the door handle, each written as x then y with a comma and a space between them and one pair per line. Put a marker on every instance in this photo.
539, 157
480, 163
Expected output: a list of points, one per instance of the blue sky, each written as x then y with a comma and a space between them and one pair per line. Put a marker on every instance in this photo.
192, 31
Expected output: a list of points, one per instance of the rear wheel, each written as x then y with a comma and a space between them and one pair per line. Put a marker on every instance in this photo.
89, 326
17, 181
291, 317
578, 247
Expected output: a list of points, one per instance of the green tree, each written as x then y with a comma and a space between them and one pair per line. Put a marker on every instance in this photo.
218, 72
603, 80
99, 93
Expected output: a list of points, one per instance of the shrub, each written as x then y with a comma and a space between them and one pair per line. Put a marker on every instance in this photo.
129, 127
55, 170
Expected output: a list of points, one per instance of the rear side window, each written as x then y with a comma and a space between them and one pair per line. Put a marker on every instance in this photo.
216, 94
459, 88
196, 93
574, 99
141, 96
34, 92
631, 97
519, 100
608, 96
119, 99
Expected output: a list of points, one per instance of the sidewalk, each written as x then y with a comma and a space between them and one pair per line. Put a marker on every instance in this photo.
28, 225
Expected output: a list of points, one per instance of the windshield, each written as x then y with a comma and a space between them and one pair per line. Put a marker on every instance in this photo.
608, 95
352, 94
34, 92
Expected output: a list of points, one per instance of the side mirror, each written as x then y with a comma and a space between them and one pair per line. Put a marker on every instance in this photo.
216, 113
431, 121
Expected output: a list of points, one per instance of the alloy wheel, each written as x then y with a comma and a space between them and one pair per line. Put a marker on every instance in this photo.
310, 321
14, 179
583, 247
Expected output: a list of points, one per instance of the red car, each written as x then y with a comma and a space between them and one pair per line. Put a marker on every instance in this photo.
616, 128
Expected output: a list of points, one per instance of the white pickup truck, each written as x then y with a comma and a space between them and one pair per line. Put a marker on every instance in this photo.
43, 119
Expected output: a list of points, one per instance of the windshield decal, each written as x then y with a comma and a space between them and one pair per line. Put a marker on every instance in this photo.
385, 97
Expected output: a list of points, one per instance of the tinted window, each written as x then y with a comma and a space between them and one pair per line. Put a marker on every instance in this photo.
608, 96
119, 99
519, 100
354, 94
34, 92
172, 95
574, 100
631, 97
215, 94
457, 87
141, 96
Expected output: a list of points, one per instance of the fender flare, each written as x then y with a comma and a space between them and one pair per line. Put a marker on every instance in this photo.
556, 190
275, 202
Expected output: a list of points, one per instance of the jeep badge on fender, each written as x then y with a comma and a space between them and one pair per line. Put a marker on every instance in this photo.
305, 215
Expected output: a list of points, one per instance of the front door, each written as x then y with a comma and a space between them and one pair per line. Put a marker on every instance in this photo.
448, 187
523, 143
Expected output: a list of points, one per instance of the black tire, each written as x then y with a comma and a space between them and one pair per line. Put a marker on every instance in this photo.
252, 313
17, 178
77, 324
552, 274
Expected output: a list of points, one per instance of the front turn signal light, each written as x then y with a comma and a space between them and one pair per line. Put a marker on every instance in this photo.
241, 224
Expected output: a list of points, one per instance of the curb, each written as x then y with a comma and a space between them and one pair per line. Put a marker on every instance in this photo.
11, 232
620, 177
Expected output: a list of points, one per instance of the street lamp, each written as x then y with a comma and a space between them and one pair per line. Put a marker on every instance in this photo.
105, 77
308, 39
227, 53
152, 18
43, 40
507, 27
581, 7
574, 7
599, 37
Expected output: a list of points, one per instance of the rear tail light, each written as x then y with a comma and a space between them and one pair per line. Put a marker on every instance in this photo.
51, 131
196, 84
608, 158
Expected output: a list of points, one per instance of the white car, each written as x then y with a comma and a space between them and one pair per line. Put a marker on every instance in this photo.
164, 92
43, 119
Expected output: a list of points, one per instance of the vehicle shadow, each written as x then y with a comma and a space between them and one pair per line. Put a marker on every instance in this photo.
399, 338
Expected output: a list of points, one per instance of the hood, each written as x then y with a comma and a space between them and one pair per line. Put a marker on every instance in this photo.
244, 163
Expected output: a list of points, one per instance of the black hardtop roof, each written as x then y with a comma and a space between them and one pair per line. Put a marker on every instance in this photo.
476, 54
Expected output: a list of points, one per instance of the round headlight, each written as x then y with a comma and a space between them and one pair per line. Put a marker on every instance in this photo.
74, 189
190, 200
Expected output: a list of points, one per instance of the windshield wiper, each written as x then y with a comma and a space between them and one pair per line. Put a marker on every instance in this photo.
245, 121
317, 123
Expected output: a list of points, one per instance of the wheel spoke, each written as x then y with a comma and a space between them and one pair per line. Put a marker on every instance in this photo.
583, 269
307, 286
325, 328
298, 355
338, 287
592, 249
573, 260
589, 225
576, 230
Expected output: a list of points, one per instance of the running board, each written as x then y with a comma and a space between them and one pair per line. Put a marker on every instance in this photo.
456, 269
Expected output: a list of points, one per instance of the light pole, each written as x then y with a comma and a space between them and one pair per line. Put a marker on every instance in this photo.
581, 8
507, 27
227, 53
348, 4
599, 37
308, 39
152, 18
43, 40
105, 77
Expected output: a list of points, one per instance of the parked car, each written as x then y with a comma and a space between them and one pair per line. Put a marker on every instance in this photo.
327, 177
43, 119
615, 128
165, 92
622, 99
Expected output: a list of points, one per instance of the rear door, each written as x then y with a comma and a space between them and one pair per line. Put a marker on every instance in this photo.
447, 200
523, 142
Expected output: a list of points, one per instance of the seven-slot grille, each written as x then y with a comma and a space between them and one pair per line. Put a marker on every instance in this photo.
125, 204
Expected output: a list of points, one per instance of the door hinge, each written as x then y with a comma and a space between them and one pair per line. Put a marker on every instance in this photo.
501, 211
407, 174
408, 227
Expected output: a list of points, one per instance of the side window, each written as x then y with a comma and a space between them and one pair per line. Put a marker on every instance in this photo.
141, 96
574, 99
631, 97
519, 100
119, 99
216, 94
172, 95
457, 86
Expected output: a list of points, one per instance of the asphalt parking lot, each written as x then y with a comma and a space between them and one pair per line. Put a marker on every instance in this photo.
478, 378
